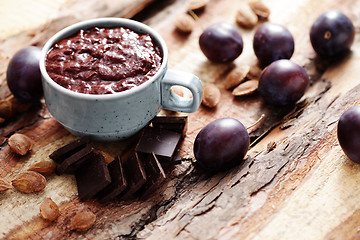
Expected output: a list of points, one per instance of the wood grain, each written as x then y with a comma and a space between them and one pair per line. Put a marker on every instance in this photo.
304, 187
262, 193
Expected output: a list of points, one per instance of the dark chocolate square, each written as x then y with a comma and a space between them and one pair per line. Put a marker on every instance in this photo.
118, 181
75, 161
66, 151
92, 177
136, 176
177, 158
159, 141
171, 123
154, 173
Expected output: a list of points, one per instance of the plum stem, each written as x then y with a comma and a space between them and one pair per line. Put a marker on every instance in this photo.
256, 124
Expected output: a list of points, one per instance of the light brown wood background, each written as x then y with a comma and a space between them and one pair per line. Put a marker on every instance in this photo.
305, 188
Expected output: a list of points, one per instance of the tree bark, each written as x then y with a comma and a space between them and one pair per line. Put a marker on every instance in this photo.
294, 183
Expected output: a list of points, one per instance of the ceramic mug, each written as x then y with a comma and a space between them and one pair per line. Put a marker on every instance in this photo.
119, 115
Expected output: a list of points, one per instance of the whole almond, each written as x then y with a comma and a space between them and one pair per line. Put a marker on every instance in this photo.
195, 5
260, 9
6, 109
236, 76
45, 167
29, 182
20, 143
211, 95
246, 88
184, 23
49, 210
245, 17
2, 120
4, 185
83, 220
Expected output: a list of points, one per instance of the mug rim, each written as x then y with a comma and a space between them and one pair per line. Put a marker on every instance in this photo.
102, 22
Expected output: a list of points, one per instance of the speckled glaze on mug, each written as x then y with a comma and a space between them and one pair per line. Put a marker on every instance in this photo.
119, 115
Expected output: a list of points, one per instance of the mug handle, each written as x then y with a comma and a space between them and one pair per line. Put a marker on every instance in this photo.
173, 102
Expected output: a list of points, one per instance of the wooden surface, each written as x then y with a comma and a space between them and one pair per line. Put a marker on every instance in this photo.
303, 188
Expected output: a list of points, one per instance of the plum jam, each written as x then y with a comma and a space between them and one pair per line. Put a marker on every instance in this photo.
103, 60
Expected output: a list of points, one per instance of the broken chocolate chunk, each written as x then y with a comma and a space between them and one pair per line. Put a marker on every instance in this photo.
66, 151
154, 173
75, 161
176, 124
159, 141
118, 181
136, 176
92, 177
177, 158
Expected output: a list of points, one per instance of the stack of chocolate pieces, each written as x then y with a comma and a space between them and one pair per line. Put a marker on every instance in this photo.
90, 169
139, 175
73, 155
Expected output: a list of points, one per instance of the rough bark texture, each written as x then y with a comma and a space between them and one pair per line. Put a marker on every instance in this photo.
295, 182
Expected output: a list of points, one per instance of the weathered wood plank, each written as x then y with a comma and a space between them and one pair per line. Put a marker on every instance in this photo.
256, 198
310, 182
288, 192
23, 223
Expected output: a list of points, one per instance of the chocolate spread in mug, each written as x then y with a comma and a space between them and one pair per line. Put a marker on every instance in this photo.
103, 60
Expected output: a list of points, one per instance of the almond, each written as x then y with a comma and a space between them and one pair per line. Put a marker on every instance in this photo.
4, 185
29, 182
184, 23
195, 5
20, 143
6, 109
211, 95
236, 76
245, 17
2, 120
246, 88
44, 167
260, 9
49, 210
83, 220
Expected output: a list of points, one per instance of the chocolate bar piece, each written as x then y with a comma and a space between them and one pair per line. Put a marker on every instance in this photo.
135, 174
66, 151
176, 124
118, 181
154, 173
177, 157
75, 161
92, 177
159, 141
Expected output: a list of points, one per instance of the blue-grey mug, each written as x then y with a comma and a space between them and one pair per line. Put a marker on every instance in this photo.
119, 115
